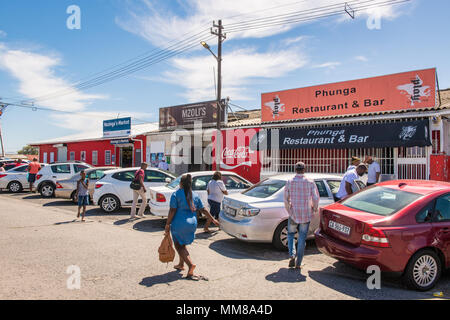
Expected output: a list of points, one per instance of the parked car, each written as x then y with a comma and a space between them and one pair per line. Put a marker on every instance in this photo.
46, 178
67, 188
15, 179
258, 214
160, 196
113, 190
402, 226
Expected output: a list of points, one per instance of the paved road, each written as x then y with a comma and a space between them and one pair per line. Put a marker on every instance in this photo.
118, 260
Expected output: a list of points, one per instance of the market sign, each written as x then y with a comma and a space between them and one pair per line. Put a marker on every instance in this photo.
120, 141
397, 92
393, 134
184, 116
117, 127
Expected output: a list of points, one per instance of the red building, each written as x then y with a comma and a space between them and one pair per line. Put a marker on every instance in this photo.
98, 150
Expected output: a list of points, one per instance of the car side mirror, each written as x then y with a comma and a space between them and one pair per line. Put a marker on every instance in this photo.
168, 180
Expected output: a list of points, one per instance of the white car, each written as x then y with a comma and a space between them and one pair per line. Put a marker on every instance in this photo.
15, 179
258, 214
160, 196
113, 190
46, 178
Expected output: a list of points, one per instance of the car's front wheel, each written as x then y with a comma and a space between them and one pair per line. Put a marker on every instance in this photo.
109, 203
47, 190
15, 186
423, 270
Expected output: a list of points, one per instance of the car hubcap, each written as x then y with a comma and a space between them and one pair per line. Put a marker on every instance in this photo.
47, 191
284, 237
14, 187
425, 270
109, 204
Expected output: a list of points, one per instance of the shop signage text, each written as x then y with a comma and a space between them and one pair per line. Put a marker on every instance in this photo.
402, 91
117, 127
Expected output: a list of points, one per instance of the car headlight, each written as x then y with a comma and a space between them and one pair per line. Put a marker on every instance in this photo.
248, 212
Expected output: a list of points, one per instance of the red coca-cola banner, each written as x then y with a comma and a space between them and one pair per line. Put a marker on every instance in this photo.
236, 155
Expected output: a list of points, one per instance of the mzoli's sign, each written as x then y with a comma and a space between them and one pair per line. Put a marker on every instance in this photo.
393, 134
184, 116
402, 91
117, 127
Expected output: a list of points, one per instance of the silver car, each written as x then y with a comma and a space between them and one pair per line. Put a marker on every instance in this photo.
258, 214
67, 188
15, 179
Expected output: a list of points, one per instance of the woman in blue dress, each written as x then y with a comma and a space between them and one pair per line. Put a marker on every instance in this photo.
182, 222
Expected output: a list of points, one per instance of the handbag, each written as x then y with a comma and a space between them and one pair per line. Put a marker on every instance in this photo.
135, 184
166, 250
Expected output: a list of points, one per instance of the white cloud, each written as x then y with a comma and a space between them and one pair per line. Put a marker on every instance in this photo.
3, 34
290, 41
331, 65
157, 23
361, 58
36, 76
240, 68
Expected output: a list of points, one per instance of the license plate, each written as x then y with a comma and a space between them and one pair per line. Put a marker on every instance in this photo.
339, 227
230, 211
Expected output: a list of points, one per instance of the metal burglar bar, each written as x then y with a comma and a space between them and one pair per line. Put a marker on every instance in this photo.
404, 163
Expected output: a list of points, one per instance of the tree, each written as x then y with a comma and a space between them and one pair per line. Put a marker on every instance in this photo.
28, 150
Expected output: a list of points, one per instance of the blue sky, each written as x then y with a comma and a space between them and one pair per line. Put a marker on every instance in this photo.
39, 55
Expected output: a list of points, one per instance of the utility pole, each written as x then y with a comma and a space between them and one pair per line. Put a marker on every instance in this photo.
217, 31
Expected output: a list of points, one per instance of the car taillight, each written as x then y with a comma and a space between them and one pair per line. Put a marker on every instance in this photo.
3, 175
160, 197
58, 186
38, 176
248, 212
374, 237
98, 185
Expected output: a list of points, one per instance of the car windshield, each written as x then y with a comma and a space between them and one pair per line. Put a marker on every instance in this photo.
381, 200
175, 183
265, 188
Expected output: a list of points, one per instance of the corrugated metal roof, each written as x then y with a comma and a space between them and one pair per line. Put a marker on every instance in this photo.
136, 130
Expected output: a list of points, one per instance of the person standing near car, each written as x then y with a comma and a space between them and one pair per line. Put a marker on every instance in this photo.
355, 162
182, 223
33, 169
348, 181
139, 176
82, 194
163, 164
301, 200
374, 171
2, 167
19, 162
216, 190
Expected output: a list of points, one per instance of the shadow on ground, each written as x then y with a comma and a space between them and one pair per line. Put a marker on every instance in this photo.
60, 203
162, 278
286, 275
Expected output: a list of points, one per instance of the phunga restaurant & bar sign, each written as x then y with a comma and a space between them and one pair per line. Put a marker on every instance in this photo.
397, 92
391, 134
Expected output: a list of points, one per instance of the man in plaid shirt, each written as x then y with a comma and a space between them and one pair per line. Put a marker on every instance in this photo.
301, 200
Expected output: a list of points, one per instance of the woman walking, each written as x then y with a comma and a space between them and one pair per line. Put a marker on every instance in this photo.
182, 222
216, 190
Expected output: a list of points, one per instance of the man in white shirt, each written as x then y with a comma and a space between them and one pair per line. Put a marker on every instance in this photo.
163, 164
374, 171
348, 181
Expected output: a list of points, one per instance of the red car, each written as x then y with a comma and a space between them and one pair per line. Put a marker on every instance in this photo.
402, 226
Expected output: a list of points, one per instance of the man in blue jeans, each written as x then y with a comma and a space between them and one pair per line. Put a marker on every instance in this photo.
301, 200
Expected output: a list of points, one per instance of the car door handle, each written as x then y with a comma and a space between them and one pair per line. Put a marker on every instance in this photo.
446, 230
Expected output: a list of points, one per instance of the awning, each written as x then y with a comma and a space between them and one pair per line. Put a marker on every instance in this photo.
373, 135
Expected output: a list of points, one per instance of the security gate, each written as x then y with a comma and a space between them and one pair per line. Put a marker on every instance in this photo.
412, 163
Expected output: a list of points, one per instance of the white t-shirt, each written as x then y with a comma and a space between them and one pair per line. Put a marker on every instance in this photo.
215, 188
350, 177
374, 167
351, 167
163, 165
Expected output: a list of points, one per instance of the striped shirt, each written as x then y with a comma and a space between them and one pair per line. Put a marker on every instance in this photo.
301, 198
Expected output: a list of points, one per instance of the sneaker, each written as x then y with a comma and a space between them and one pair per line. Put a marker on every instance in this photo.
292, 262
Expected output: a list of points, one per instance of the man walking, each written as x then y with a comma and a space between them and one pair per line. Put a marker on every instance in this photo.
82, 194
139, 176
301, 200
374, 171
33, 169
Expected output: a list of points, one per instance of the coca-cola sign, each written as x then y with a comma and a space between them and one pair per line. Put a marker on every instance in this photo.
238, 153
